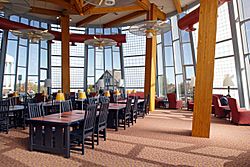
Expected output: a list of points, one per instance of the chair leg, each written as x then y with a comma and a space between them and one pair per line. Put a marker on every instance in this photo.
93, 140
128, 122
97, 137
124, 123
83, 147
105, 133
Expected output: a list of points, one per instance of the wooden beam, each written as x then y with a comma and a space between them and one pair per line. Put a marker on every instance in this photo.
111, 10
65, 54
160, 15
150, 66
125, 18
45, 11
62, 3
177, 4
89, 19
205, 68
79, 5
144, 4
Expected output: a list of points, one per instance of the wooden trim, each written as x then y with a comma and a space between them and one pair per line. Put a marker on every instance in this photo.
177, 4
125, 18
89, 19
62, 3
205, 68
65, 54
45, 11
111, 10
79, 5
144, 4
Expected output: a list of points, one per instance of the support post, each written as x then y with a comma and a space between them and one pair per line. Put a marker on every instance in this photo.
65, 54
205, 68
150, 66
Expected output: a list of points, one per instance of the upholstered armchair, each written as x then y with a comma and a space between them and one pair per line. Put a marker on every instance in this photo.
173, 102
239, 115
190, 105
219, 110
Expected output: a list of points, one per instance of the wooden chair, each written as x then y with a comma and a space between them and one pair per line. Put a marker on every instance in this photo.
103, 99
125, 115
66, 106
101, 122
35, 110
4, 116
142, 109
86, 129
134, 111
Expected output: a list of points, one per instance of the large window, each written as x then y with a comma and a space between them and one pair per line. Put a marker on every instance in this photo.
26, 63
134, 51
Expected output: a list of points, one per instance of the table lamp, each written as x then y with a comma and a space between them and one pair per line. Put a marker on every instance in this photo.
117, 93
60, 97
82, 97
228, 81
107, 94
133, 92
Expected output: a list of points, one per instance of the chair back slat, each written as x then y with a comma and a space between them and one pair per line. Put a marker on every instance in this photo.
67, 106
103, 114
4, 109
135, 103
89, 118
90, 101
103, 99
128, 105
35, 110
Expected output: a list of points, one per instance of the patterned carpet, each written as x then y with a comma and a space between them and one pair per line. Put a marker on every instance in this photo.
161, 139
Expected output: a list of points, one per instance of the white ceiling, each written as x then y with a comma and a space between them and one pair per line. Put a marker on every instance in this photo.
167, 6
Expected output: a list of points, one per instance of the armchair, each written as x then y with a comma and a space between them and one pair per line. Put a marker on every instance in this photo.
239, 115
173, 103
219, 110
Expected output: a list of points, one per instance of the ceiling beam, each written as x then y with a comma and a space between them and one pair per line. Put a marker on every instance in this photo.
125, 18
45, 11
89, 19
144, 4
87, 7
63, 4
79, 5
161, 15
111, 9
177, 4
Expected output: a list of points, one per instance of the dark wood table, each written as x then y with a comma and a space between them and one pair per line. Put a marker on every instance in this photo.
124, 101
52, 133
113, 116
16, 108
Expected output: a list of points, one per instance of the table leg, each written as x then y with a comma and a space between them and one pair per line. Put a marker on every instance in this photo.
67, 142
31, 129
116, 121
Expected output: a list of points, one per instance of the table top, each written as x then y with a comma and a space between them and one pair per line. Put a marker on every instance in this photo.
124, 101
116, 106
66, 117
16, 108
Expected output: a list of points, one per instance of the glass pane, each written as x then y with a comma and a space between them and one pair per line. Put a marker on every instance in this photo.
8, 84
21, 79
91, 81
22, 57
159, 59
187, 53
44, 58
168, 38
10, 61
189, 72
77, 50
117, 60
135, 77
175, 30
76, 62
108, 59
43, 74
91, 62
56, 61
180, 91
33, 59
178, 64
134, 61
76, 77
169, 60
56, 48
185, 36
56, 77
99, 59
170, 79
32, 86
224, 49
98, 74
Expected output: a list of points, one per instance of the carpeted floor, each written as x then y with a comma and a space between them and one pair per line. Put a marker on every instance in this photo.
163, 138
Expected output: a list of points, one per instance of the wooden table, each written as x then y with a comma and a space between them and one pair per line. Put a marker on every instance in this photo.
16, 108
52, 133
124, 101
113, 116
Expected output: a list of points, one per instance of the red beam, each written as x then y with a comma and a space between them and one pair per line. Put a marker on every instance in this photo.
187, 22
11, 25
